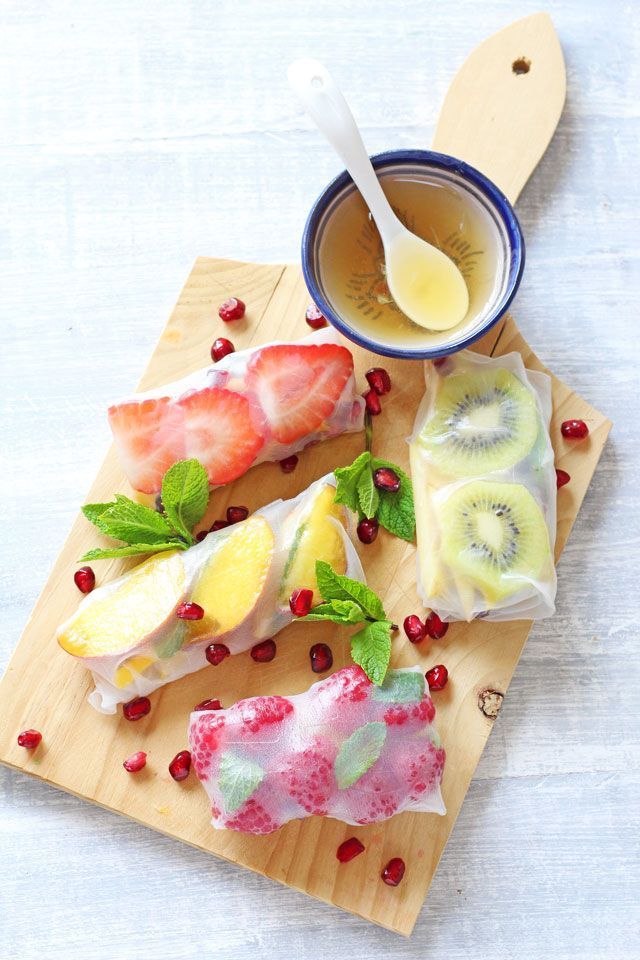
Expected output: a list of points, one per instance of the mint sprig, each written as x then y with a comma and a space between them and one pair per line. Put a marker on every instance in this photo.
347, 601
357, 491
185, 493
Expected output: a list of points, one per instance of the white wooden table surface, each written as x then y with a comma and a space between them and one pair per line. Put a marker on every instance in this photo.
135, 136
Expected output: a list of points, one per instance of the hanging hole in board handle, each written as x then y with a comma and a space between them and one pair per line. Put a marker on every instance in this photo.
520, 66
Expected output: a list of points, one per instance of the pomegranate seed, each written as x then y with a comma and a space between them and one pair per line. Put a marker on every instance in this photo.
574, 429
180, 765
236, 514
84, 579
386, 479
200, 536
315, 318
321, 657
137, 708
372, 402
439, 361
562, 477
190, 611
349, 849
218, 525
208, 705
135, 762
289, 464
29, 739
437, 677
216, 653
414, 628
434, 626
379, 380
221, 348
393, 872
231, 309
300, 602
367, 530
264, 652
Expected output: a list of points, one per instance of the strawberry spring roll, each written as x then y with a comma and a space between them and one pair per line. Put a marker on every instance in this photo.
345, 749
257, 405
128, 632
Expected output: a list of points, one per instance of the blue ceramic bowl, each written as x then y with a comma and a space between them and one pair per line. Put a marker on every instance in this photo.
471, 187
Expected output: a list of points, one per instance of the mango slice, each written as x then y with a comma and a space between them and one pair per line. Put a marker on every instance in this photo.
316, 537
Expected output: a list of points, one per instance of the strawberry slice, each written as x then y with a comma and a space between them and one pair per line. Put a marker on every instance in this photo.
218, 431
149, 438
298, 386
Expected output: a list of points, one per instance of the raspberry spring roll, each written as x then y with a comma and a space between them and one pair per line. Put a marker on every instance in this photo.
257, 405
128, 632
345, 749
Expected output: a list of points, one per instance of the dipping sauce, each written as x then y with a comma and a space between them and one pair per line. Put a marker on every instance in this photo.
351, 258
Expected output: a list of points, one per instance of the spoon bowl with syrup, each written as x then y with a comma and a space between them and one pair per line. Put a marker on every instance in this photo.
424, 282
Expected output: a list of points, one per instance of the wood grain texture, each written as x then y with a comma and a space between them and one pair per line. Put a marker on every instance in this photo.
82, 750
137, 135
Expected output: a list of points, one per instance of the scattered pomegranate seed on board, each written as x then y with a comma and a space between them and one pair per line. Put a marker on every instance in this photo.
435, 627
264, 652
29, 739
574, 429
367, 530
372, 402
137, 708
207, 705
439, 361
84, 579
437, 677
300, 602
218, 525
237, 514
349, 849
321, 657
231, 309
289, 464
216, 653
384, 478
379, 380
190, 611
393, 872
562, 478
414, 628
135, 762
200, 536
180, 765
315, 318
221, 348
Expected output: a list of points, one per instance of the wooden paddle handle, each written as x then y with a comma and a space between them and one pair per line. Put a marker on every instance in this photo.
504, 103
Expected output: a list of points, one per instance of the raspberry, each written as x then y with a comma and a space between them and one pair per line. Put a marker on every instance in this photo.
375, 797
204, 740
400, 713
421, 771
350, 685
309, 777
259, 712
252, 818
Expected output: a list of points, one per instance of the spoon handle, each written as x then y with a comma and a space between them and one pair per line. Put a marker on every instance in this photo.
321, 97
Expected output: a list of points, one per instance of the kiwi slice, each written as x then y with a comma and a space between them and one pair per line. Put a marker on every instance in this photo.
494, 535
483, 420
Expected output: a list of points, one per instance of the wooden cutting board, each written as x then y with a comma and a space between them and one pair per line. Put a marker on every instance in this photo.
502, 122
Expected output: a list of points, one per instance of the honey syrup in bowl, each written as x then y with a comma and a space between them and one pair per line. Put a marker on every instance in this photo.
469, 220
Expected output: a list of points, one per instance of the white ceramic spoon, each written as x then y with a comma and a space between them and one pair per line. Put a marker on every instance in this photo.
424, 281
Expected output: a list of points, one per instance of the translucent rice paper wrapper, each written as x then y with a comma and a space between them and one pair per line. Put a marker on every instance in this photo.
242, 576
257, 405
481, 443
344, 749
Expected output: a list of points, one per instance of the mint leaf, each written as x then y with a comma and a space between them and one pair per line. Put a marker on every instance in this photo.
185, 495
338, 611
170, 645
237, 779
132, 549
347, 481
371, 648
396, 511
359, 753
400, 686
133, 522
334, 586
93, 511
368, 497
